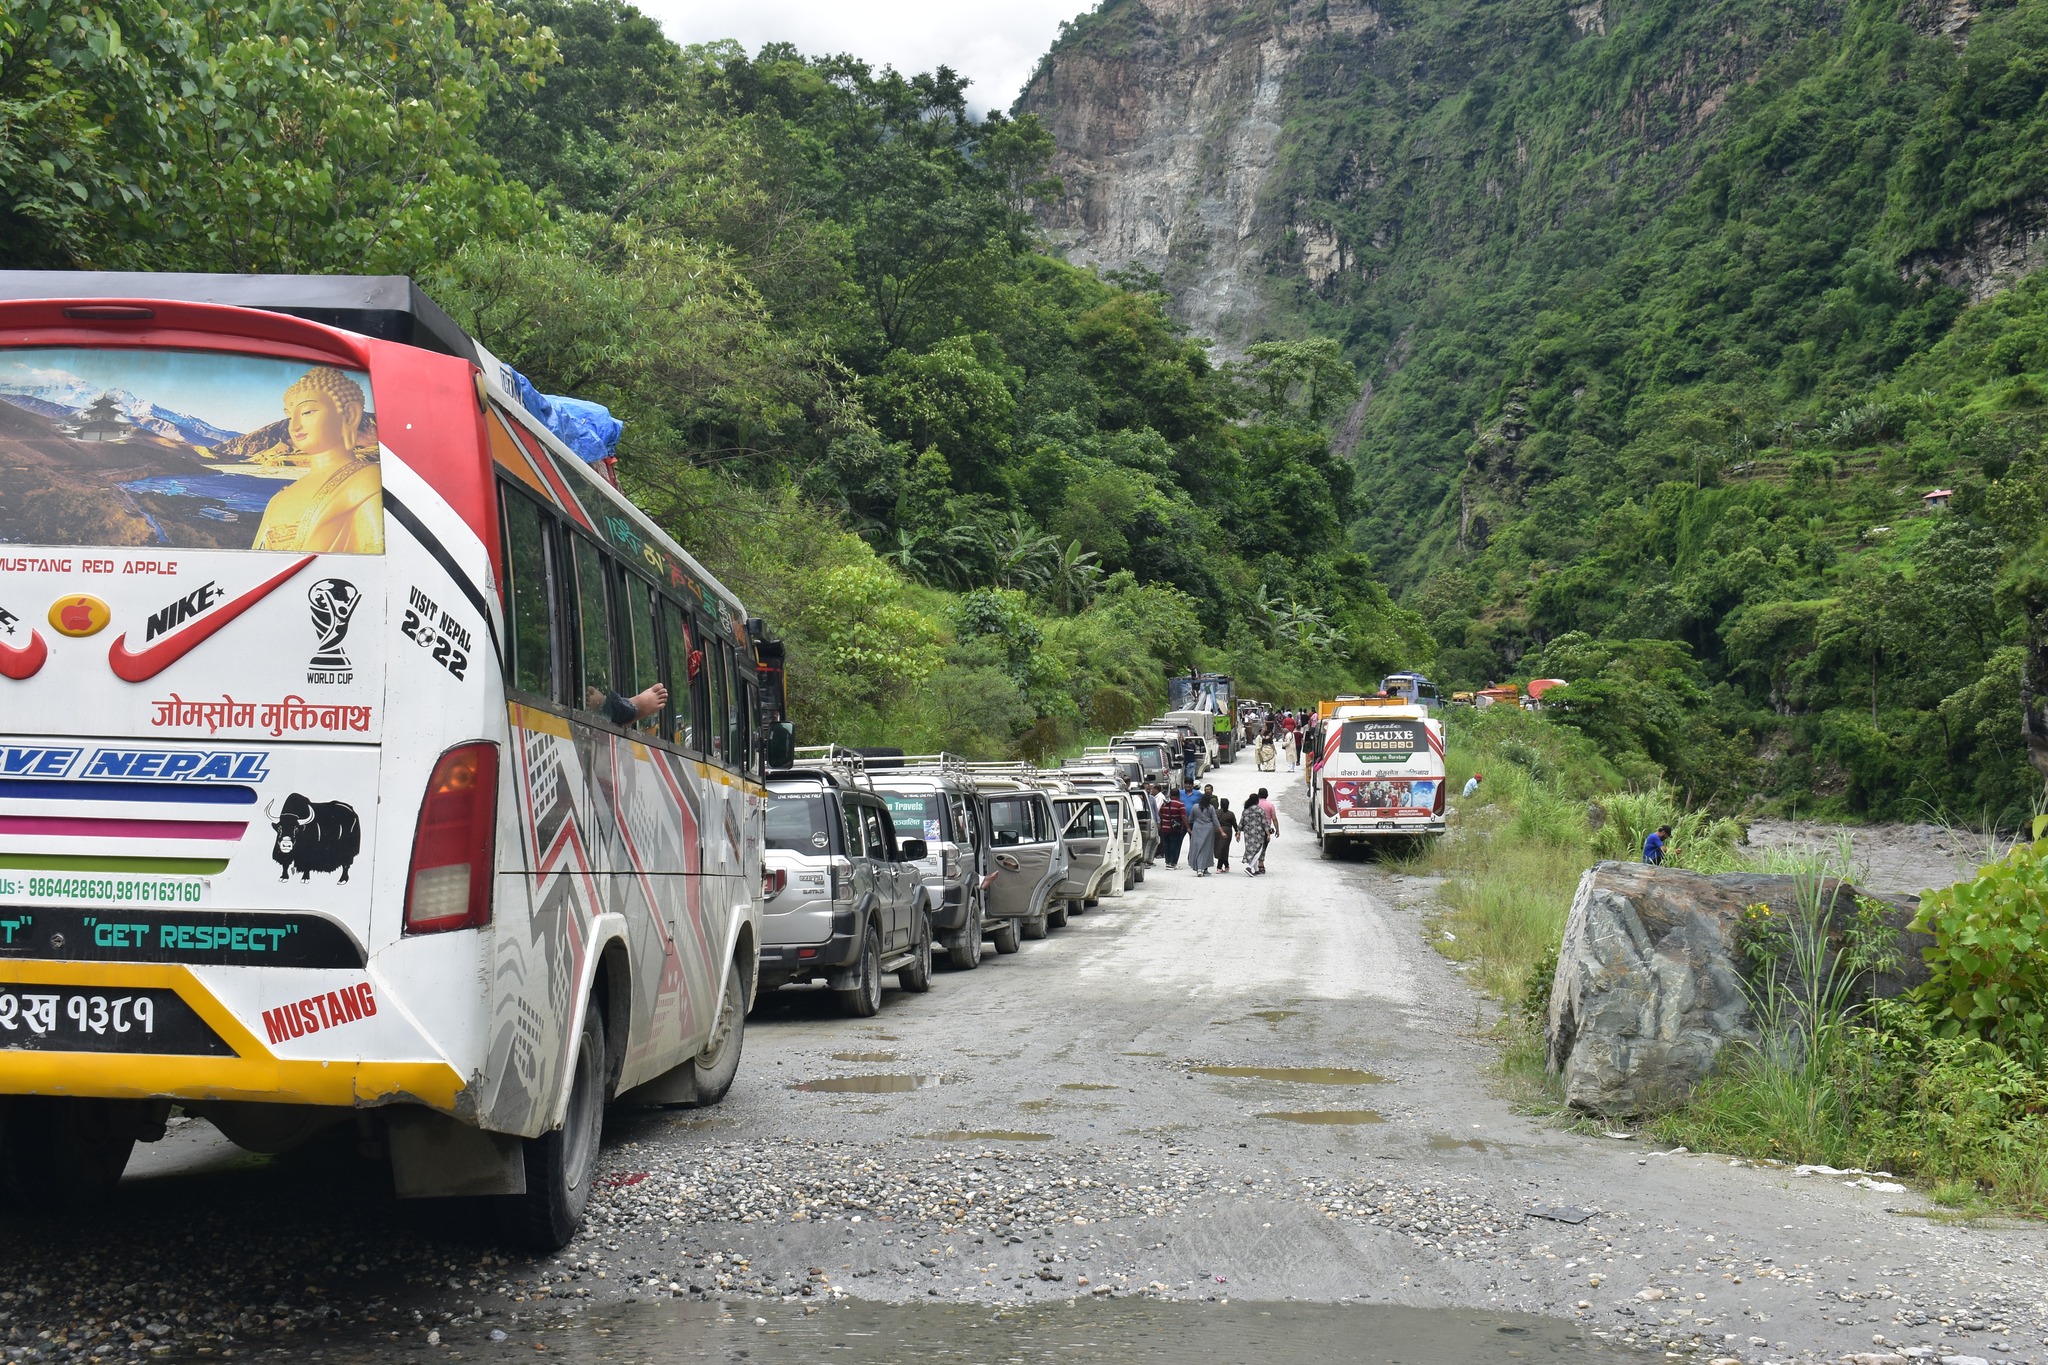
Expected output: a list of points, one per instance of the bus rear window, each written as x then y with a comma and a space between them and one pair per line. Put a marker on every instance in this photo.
797, 824
196, 450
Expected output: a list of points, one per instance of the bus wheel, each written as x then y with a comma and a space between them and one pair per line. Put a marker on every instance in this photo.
1006, 937
917, 977
863, 999
963, 946
560, 1165
59, 1152
719, 1062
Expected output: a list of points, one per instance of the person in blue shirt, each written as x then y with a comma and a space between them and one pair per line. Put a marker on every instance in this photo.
1653, 847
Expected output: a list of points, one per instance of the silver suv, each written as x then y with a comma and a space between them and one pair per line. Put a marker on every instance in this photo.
1029, 857
845, 900
933, 795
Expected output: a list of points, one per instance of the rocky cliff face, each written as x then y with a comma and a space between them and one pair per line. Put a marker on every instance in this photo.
1169, 118
1267, 155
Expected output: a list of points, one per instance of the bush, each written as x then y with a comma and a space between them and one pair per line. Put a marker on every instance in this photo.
1989, 958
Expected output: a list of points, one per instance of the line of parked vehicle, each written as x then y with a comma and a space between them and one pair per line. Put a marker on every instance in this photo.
875, 858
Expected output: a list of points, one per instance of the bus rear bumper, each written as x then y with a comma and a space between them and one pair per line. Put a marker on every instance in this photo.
218, 1057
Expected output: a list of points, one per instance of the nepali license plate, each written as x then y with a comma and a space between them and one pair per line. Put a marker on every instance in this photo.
70, 1019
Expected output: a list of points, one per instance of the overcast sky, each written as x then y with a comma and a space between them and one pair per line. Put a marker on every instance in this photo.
994, 44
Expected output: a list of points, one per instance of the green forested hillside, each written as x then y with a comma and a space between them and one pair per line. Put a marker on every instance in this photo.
1670, 327
990, 499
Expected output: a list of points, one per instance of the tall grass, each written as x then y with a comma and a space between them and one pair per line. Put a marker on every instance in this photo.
1549, 808
1834, 1080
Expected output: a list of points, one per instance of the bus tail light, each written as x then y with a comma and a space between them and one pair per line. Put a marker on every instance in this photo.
1438, 808
455, 847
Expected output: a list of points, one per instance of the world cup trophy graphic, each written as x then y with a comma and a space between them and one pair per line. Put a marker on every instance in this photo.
333, 601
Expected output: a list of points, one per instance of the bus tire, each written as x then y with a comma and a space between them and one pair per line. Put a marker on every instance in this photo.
863, 999
561, 1165
715, 1067
1006, 937
60, 1152
916, 977
963, 946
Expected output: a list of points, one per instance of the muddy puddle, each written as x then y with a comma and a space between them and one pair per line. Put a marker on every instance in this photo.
872, 1058
1441, 1143
1337, 1118
1299, 1075
1140, 1331
870, 1085
1272, 1016
957, 1135
1084, 1085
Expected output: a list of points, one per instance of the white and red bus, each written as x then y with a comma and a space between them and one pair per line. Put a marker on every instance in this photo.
336, 778
1381, 774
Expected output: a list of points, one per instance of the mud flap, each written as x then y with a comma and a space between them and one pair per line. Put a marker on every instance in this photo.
434, 1157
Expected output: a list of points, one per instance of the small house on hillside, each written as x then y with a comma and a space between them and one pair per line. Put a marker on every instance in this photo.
1938, 499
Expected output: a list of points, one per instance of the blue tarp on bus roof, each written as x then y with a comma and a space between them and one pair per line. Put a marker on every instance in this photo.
587, 428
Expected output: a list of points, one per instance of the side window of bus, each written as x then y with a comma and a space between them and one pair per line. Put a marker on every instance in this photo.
636, 642
749, 750
735, 712
682, 688
530, 548
719, 671
593, 613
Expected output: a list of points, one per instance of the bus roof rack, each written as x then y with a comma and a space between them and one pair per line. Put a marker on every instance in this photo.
387, 307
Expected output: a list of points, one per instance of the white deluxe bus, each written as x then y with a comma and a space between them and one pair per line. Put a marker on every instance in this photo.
335, 783
1381, 774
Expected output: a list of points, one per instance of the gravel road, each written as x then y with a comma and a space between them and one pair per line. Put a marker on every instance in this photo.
1264, 1091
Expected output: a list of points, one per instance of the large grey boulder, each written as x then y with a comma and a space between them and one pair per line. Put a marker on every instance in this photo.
1649, 987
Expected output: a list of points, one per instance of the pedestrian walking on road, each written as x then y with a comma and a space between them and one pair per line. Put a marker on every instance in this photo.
1265, 754
1202, 836
1253, 826
1226, 830
1173, 827
1272, 815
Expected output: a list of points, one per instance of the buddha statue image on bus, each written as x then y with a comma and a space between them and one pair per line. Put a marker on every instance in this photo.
337, 505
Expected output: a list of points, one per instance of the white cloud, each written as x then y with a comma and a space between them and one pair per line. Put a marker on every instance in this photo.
995, 46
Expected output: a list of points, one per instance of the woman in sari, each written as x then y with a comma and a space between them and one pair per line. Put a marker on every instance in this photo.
1202, 836
1251, 824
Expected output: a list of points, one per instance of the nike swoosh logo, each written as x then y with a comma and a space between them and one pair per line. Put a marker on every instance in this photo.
130, 666
25, 662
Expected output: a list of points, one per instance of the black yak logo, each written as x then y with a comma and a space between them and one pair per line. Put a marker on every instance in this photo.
314, 836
